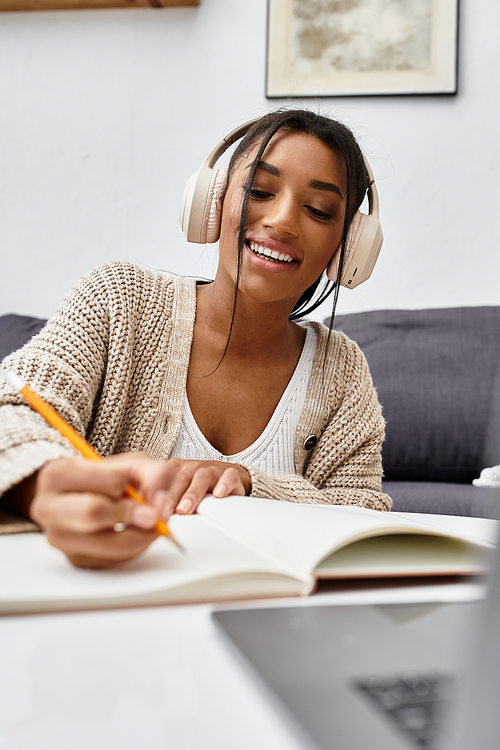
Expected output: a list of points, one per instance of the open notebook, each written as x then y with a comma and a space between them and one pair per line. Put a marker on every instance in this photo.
244, 547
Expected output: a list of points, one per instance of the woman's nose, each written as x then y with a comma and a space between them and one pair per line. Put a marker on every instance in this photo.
282, 217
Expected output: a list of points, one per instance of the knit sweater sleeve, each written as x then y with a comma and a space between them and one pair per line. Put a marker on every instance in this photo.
83, 363
64, 363
345, 467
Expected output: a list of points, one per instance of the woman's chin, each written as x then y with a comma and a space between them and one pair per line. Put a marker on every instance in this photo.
266, 291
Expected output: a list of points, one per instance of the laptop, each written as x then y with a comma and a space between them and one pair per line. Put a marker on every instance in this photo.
384, 677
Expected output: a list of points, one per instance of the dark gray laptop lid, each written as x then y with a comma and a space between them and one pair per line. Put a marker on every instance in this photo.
319, 660
474, 720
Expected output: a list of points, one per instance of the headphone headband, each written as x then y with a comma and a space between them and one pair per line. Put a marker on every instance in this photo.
228, 141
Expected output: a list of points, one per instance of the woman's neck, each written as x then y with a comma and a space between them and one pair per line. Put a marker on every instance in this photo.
258, 329
237, 376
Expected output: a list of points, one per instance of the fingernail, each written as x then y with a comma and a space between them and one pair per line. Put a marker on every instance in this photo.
144, 515
220, 490
185, 505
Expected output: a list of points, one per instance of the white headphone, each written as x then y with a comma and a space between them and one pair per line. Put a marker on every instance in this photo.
201, 210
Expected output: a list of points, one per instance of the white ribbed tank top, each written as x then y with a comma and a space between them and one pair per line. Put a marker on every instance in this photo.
274, 450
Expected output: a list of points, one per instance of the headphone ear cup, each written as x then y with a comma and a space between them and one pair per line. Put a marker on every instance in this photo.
213, 209
363, 244
202, 204
352, 240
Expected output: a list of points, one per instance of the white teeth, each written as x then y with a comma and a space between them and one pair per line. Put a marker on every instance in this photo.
265, 252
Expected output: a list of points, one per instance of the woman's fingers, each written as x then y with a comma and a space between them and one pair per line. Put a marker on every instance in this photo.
230, 483
202, 481
86, 498
216, 477
177, 484
80, 475
180, 484
78, 504
82, 512
144, 516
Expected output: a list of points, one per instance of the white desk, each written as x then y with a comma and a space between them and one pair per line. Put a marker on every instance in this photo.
156, 678
149, 679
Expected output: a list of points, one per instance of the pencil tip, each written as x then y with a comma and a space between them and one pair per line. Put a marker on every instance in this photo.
177, 544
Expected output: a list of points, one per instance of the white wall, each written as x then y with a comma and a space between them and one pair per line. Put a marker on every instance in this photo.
104, 114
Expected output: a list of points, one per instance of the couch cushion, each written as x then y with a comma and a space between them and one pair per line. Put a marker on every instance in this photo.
16, 330
446, 498
436, 372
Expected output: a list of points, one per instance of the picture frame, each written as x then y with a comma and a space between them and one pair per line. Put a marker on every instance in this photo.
326, 48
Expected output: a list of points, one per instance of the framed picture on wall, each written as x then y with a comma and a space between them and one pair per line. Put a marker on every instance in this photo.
321, 48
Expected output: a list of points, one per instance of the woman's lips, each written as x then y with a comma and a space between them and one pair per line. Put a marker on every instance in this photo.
263, 257
271, 251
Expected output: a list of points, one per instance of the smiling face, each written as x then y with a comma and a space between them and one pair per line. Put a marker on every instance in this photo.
295, 217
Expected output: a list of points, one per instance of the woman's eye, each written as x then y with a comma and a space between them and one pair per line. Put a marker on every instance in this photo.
319, 214
259, 194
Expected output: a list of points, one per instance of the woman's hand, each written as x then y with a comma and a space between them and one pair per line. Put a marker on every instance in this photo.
179, 485
78, 502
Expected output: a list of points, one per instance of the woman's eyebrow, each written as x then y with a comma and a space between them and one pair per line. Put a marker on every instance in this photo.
314, 184
269, 168
330, 186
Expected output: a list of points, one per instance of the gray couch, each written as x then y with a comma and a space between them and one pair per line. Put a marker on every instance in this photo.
437, 376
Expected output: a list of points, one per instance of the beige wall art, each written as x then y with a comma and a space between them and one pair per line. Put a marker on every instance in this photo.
361, 47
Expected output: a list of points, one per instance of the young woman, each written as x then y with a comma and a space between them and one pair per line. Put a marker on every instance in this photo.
190, 389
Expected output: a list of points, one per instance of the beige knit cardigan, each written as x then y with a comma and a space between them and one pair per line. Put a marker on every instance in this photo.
113, 361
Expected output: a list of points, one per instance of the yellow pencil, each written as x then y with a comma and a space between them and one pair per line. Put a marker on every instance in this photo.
60, 424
